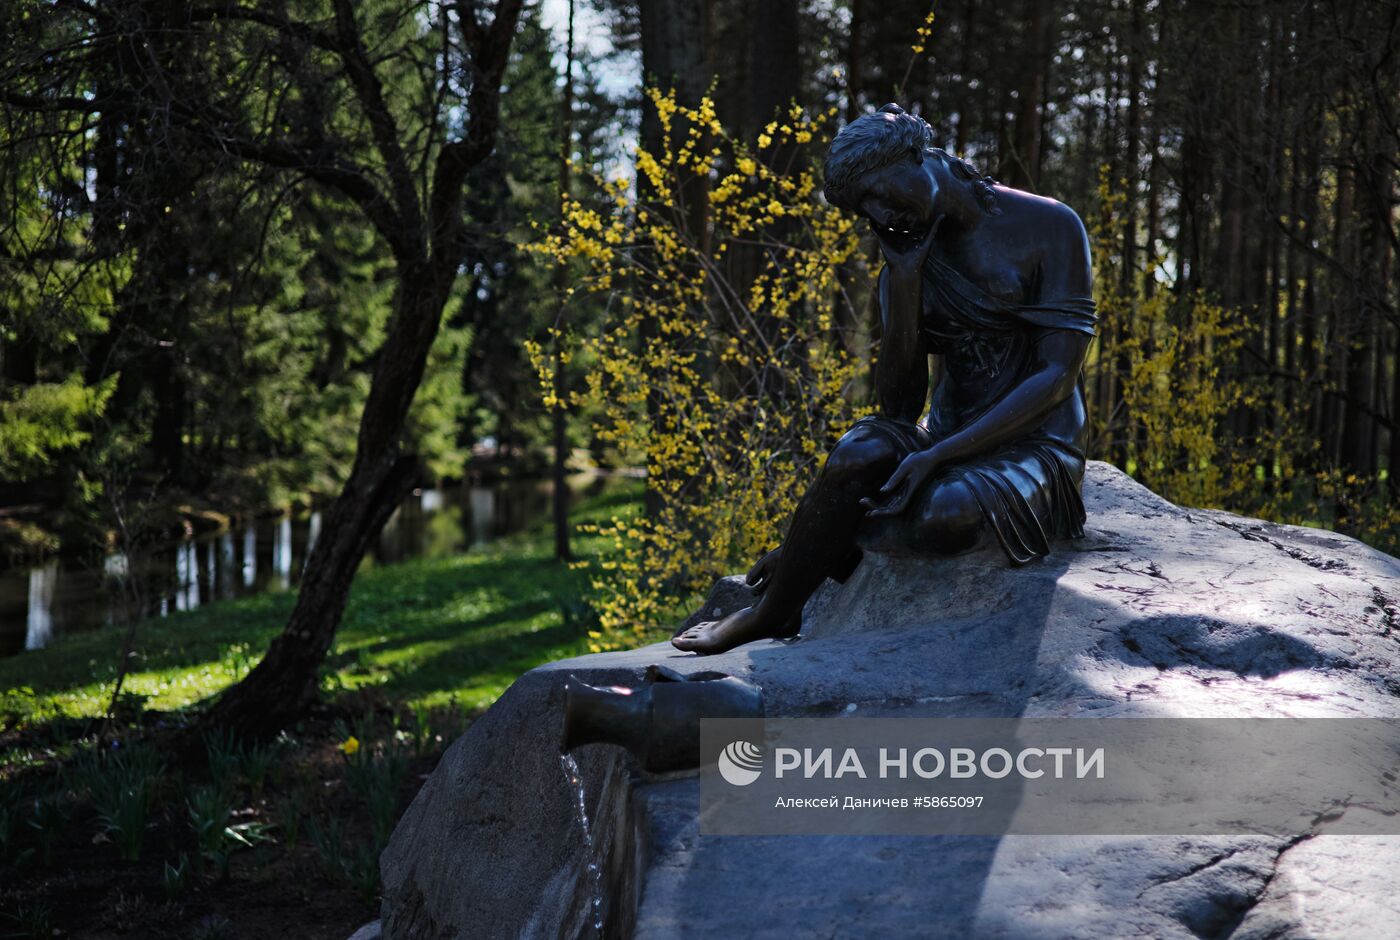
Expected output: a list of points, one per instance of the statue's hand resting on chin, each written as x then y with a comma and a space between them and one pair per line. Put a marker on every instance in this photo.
905, 251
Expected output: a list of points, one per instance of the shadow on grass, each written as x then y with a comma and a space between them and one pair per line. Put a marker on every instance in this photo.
482, 669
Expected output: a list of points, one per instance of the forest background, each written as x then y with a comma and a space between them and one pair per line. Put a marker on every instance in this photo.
195, 316
259, 256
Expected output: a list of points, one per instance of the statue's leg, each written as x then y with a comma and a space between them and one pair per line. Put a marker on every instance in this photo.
819, 542
945, 519
823, 530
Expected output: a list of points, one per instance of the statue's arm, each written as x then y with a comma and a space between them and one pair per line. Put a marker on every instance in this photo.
1058, 355
901, 375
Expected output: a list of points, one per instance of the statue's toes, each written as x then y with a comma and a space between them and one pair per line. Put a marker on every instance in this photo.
689, 639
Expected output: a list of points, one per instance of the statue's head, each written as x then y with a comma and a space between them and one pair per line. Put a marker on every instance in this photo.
876, 167
882, 166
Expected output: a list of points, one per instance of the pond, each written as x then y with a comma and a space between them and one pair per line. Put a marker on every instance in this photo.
65, 595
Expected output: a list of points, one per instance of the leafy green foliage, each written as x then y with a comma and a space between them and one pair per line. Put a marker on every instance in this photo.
291, 811
13, 858
176, 878
46, 418
224, 757
46, 817
31, 920
210, 813
174, 317
122, 784
374, 774
254, 764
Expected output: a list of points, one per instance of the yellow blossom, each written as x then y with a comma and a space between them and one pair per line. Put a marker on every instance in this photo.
660, 403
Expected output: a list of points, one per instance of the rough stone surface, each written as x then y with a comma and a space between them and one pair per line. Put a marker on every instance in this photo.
1157, 611
370, 931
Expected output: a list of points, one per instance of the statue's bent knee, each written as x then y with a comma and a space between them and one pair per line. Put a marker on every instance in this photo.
948, 518
943, 519
860, 454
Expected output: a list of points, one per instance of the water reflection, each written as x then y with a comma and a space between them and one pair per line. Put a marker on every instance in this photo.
38, 624
62, 596
483, 508
250, 556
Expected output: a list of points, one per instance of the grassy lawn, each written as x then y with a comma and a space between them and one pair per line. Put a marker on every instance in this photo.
424, 633
240, 839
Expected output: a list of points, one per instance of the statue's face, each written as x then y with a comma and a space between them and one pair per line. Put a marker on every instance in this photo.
899, 197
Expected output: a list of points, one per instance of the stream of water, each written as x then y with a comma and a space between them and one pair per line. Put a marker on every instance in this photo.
65, 595
594, 867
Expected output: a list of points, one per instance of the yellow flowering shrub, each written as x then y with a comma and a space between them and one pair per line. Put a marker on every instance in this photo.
1171, 365
721, 364
726, 365
1162, 359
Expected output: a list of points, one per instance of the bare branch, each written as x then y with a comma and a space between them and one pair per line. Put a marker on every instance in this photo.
294, 29
350, 181
382, 125
490, 51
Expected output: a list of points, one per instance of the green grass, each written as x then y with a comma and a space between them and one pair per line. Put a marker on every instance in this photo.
428, 632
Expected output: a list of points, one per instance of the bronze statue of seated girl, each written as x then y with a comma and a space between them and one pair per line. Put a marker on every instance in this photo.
994, 281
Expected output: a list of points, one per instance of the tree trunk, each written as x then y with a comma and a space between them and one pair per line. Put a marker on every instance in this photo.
854, 65
1272, 257
286, 681
559, 497
1342, 321
675, 54
846, 321
962, 130
1024, 172
774, 75
1376, 201
1310, 364
1128, 276
772, 88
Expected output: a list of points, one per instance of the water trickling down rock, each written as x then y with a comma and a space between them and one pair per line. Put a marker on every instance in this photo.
593, 871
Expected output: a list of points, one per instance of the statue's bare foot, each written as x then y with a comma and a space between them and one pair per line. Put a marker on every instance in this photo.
716, 636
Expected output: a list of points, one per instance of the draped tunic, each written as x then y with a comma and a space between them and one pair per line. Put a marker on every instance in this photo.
1028, 490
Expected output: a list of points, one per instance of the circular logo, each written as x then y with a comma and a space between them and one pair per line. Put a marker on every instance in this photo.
741, 763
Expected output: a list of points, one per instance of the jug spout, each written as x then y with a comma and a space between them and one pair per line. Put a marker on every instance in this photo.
594, 715
659, 722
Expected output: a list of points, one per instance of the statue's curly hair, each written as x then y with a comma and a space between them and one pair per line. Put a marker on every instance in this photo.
885, 137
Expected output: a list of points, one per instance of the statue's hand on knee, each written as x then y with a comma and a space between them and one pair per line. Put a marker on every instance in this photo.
906, 480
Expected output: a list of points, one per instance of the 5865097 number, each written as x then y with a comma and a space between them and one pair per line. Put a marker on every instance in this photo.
947, 802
